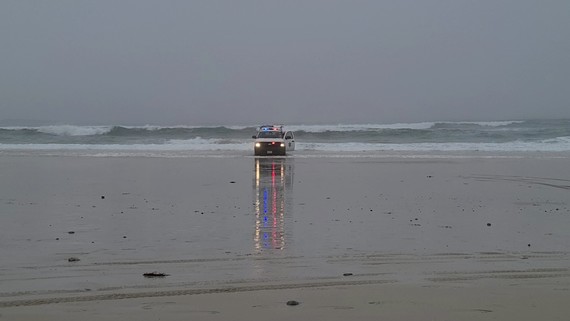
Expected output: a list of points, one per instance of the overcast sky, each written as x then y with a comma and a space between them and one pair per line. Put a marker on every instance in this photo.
246, 62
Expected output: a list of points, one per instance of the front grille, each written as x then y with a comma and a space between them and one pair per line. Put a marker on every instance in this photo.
272, 147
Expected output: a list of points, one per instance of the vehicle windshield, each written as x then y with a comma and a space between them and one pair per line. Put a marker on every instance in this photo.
269, 134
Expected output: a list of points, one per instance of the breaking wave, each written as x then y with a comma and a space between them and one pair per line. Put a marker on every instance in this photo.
530, 135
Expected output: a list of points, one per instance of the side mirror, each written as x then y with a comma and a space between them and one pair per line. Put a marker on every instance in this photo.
254, 137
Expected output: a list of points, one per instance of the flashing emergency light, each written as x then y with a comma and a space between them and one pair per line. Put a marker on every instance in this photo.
270, 128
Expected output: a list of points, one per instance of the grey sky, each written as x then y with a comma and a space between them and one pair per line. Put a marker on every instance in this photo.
207, 62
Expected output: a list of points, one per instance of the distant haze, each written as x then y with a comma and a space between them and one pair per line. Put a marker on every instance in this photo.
246, 62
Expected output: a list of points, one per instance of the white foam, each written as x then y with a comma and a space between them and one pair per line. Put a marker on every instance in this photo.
195, 144
487, 123
74, 130
71, 130
560, 144
156, 127
358, 127
557, 140
518, 146
417, 126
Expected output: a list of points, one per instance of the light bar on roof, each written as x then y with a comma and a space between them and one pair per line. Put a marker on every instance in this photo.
270, 128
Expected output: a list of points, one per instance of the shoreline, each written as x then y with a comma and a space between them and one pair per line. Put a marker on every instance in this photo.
247, 153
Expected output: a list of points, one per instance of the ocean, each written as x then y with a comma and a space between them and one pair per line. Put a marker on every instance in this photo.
494, 136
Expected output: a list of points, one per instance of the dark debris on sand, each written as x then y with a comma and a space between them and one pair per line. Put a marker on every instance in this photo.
155, 275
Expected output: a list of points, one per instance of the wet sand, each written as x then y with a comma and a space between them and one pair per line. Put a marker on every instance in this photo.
361, 238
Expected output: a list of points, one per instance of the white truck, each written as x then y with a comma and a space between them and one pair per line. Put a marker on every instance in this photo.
273, 140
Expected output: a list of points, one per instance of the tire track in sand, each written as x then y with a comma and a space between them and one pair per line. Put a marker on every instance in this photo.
152, 294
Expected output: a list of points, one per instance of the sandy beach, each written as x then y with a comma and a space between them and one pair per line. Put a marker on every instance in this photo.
362, 238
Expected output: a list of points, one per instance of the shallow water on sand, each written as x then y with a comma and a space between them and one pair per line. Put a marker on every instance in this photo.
213, 220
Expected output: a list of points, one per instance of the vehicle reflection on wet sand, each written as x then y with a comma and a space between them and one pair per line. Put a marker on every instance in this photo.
272, 193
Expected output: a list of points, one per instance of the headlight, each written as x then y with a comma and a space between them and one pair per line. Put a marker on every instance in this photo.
257, 145
282, 145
